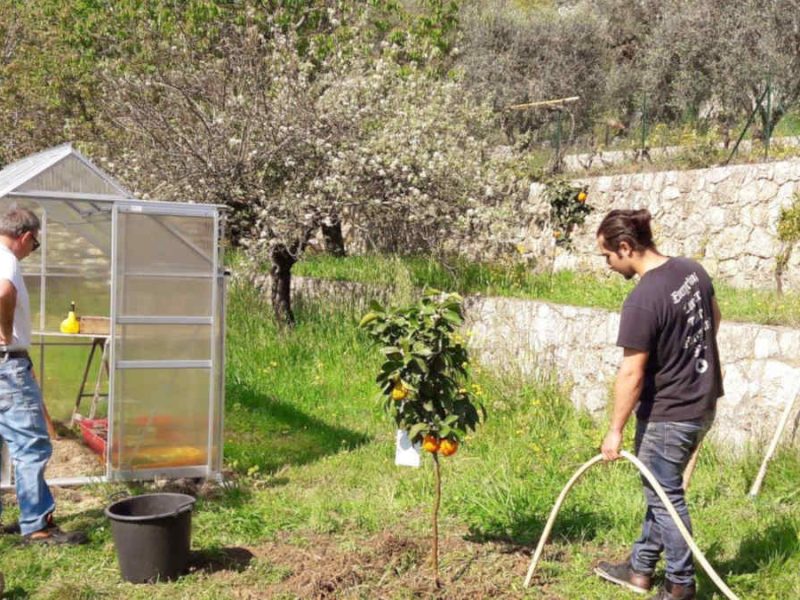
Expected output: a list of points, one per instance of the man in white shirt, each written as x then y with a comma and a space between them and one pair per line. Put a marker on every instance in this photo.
22, 421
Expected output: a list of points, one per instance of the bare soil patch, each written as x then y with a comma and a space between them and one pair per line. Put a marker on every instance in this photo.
72, 458
387, 565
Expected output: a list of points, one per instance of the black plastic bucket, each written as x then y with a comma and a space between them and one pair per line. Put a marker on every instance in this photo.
152, 534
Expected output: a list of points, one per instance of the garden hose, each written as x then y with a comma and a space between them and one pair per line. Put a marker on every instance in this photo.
661, 494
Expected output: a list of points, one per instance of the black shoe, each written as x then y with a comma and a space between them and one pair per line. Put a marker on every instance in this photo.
674, 591
624, 575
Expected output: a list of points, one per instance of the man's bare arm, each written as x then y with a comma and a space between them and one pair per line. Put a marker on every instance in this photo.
627, 389
717, 314
8, 302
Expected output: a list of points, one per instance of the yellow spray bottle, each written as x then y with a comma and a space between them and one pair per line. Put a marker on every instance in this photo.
71, 323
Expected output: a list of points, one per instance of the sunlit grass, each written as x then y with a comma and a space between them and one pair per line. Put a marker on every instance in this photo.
314, 453
517, 280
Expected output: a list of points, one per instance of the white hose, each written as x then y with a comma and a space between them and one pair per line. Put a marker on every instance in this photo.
661, 494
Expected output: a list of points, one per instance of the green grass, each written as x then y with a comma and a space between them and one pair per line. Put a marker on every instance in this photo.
303, 421
563, 287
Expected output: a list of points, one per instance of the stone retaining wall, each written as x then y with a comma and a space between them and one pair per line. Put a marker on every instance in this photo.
608, 158
726, 217
761, 364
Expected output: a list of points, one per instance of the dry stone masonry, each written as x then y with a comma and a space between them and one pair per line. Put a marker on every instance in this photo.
761, 364
726, 217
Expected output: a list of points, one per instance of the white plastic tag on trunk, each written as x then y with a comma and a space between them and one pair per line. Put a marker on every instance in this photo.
406, 454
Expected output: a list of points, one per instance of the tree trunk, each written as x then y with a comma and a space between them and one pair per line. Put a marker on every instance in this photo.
436, 502
332, 236
281, 292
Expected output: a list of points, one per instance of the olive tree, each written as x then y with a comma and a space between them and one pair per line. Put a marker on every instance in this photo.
512, 56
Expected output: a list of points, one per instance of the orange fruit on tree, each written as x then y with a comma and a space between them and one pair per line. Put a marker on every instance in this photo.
399, 392
556, 234
431, 443
448, 447
582, 196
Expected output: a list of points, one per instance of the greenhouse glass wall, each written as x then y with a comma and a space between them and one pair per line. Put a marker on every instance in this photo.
142, 382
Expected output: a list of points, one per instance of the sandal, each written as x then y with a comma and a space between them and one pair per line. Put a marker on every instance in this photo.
52, 535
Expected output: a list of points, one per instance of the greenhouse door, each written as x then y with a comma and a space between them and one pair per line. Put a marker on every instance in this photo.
165, 411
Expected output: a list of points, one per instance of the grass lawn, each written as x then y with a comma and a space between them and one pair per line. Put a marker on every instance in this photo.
563, 287
317, 508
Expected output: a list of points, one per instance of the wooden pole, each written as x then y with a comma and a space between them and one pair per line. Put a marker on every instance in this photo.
762, 471
556, 102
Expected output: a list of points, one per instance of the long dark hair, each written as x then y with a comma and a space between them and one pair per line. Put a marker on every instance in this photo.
631, 226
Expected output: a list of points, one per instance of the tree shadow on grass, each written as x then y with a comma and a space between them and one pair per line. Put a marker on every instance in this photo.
778, 542
213, 560
570, 525
266, 432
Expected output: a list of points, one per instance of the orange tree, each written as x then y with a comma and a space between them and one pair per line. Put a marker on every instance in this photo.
423, 379
568, 209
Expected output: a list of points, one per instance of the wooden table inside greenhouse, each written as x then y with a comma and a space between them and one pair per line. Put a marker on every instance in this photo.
99, 348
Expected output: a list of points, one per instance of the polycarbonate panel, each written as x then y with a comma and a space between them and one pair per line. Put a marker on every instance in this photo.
69, 175
79, 235
65, 359
161, 419
219, 378
164, 296
92, 297
164, 342
33, 283
159, 244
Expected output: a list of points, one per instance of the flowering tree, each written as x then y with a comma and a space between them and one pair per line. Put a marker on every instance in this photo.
240, 127
292, 144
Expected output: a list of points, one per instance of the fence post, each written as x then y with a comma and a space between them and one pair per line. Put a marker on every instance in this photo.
768, 124
644, 125
746, 127
557, 163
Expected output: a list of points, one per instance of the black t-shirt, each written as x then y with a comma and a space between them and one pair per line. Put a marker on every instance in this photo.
669, 314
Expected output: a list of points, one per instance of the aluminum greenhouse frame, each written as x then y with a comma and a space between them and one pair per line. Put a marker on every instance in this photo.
155, 270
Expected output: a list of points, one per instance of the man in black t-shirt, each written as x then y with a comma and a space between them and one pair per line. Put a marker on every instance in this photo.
671, 370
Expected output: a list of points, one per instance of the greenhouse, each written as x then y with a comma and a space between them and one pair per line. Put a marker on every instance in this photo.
136, 381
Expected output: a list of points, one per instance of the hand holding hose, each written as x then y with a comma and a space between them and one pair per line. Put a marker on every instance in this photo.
611, 445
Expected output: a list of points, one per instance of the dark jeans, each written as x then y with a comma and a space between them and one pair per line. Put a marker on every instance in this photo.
665, 448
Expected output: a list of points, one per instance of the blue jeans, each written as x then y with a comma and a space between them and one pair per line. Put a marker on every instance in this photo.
23, 428
665, 448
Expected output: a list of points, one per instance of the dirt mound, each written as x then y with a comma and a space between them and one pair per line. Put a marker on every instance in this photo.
388, 565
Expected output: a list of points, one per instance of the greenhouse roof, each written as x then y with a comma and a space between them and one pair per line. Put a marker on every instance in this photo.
59, 169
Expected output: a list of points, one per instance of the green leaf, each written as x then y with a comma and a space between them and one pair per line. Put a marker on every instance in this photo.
416, 430
367, 319
452, 316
